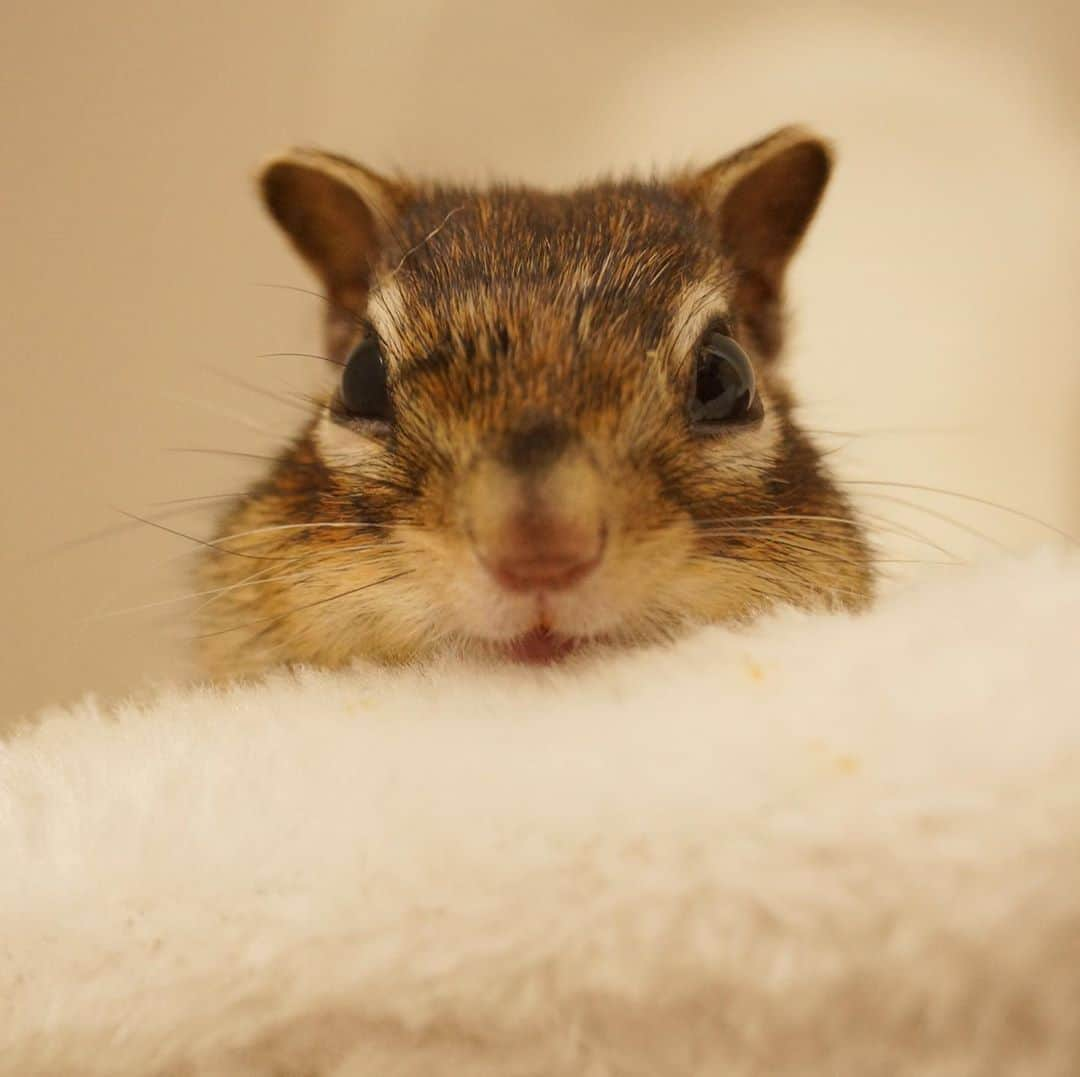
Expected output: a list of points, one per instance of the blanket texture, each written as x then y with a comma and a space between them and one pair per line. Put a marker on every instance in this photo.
819, 846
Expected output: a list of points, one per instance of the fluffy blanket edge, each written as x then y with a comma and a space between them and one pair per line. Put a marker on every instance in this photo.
819, 846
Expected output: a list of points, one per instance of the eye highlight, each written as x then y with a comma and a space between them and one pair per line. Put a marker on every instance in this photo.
725, 389
364, 392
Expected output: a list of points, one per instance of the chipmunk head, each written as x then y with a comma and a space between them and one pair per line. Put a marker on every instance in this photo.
558, 419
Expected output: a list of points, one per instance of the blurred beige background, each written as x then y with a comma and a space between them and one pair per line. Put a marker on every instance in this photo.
934, 300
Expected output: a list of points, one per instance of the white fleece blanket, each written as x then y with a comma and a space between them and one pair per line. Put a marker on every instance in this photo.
820, 846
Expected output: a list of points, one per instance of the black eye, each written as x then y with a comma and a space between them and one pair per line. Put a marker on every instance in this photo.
364, 394
724, 388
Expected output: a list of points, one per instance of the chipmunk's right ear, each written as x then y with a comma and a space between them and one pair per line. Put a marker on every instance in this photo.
338, 215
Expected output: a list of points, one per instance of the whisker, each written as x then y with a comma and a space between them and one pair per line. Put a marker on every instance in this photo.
192, 538
319, 568
844, 520
307, 606
826, 552
348, 311
297, 401
767, 557
253, 577
896, 431
181, 507
223, 452
893, 527
177, 599
192, 500
809, 541
256, 579
219, 410
330, 551
260, 576
357, 525
884, 525
788, 577
301, 355
944, 517
970, 498
396, 487
427, 239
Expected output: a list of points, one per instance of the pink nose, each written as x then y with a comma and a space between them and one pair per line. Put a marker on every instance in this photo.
536, 552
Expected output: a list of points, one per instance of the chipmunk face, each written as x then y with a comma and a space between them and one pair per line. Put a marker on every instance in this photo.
558, 421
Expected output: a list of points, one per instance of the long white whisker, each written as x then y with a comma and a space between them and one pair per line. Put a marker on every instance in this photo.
942, 516
792, 524
1019, 513
247, 582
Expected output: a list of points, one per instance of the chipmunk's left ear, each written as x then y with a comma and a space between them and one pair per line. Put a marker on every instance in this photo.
763, 198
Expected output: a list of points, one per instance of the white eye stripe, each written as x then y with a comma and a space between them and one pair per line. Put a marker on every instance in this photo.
340, 445
700, 305
386, 313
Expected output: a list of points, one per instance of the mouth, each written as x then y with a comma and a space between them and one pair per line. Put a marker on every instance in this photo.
540, 647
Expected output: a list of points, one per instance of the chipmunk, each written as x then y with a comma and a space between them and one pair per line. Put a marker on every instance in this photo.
559, 424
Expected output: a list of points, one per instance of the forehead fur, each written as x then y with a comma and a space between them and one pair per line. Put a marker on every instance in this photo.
604, 258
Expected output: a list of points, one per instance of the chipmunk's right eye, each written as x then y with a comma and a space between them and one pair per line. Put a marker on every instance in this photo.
724, 391
364, 392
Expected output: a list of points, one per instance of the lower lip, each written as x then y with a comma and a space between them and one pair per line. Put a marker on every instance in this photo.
540, 648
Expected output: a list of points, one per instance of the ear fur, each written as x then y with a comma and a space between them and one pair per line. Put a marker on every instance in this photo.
337, 214
762, 199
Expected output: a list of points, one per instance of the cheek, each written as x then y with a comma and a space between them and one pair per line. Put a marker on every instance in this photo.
712, 589
645, 563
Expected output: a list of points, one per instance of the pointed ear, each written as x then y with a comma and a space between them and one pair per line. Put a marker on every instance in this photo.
338, 215
762, 199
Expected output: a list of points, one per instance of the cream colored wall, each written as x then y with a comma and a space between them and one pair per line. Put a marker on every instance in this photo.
934, 301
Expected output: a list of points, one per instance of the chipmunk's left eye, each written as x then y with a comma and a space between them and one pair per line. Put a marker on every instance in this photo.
364, 392
725, 390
